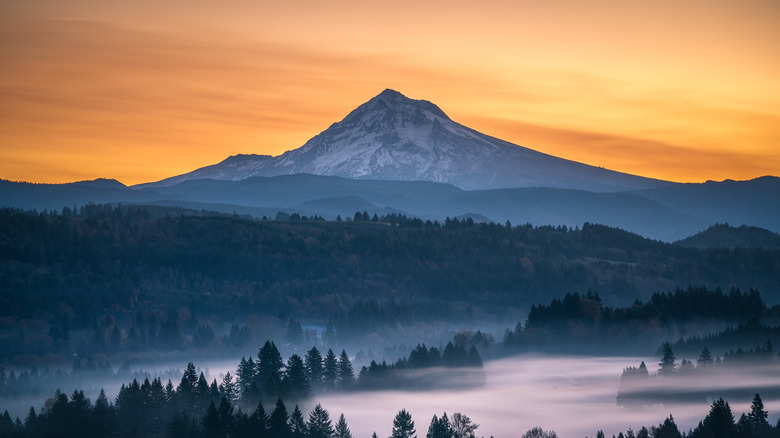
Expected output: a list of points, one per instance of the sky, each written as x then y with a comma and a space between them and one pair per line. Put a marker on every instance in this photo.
143, 90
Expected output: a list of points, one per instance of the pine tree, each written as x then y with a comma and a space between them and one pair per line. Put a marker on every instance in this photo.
319, 424
104, 417
269, 362
297, 424
187, 387
345, 371
403, 426
667, 429
719, 423
439, 427
245, 374
667, 365
296, 382
277, 422
342, 431
705, 359
313, 364
261, 418
211, 426
743, 429
757, 418
229, 389
226, 416
330, 370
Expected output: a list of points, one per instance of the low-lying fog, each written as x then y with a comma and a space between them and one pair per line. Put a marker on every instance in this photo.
575, 396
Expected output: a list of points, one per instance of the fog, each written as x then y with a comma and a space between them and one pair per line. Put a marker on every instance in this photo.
575, 396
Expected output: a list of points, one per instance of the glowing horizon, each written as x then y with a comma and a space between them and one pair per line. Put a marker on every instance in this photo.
144, 91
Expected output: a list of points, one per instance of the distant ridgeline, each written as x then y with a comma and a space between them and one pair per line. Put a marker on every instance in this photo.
581, 323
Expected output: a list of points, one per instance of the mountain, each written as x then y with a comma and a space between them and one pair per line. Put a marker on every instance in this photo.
392, 137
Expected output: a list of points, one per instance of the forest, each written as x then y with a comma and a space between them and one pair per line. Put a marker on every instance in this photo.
107, 279
421, 305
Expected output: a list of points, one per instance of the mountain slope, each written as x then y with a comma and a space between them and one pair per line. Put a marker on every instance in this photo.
392, 137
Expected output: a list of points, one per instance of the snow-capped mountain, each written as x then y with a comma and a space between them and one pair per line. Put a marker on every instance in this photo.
392, 137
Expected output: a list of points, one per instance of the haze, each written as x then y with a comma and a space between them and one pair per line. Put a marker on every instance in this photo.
575, 396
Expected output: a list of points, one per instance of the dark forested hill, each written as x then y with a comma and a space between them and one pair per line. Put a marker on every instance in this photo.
726, 236
119, 258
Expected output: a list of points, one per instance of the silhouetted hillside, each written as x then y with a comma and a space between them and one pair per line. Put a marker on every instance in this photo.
726, 236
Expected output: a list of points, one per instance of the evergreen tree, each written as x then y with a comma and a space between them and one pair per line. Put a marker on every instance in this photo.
211, 426
104, 417
319, 424
269, 361
345, 371
719, 423
439, 427
261, 418
667, 429
296, 381
330, 370
403, 426
277, 422
757, 418
743, 428
643, 370
705, 359
187, 387
313, 364
245, 374
251, 426
297, 424
226, 416
342, 431
229, 389
667, 365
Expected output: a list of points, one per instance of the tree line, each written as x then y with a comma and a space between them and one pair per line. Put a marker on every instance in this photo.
583, 322
718, 423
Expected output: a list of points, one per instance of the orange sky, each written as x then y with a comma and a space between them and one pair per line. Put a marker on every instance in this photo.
143, 90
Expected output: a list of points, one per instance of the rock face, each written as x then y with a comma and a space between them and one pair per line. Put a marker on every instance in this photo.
392, 137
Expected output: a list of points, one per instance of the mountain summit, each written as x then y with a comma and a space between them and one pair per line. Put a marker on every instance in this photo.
392, 137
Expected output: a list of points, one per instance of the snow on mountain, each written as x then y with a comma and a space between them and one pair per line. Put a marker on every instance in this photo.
392, 137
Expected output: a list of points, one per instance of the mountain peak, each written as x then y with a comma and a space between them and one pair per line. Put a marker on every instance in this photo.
395, 102
393, 137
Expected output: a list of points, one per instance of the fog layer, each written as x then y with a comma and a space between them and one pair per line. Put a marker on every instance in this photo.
575, 396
